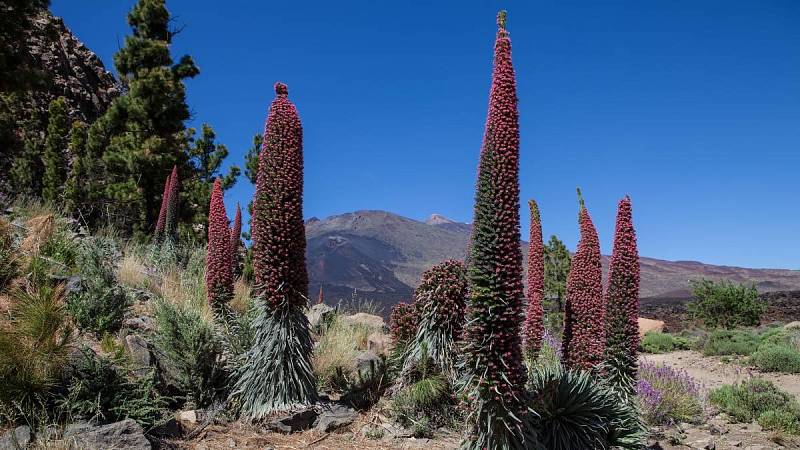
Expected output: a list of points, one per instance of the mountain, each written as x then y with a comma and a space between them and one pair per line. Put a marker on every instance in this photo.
382, 255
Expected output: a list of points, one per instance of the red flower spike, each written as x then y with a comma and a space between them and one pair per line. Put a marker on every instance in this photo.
219, 265
533, 328
162, 213
584, 310
279, 240
171, 220
622, 295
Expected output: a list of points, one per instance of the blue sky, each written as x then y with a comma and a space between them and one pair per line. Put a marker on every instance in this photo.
691, 107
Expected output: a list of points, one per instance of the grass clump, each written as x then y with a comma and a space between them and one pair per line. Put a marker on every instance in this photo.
100, 304
35, 338
9, 259
658, 342
728, 342
760, 400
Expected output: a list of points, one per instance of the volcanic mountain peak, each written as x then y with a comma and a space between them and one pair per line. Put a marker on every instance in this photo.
384, 254
438, 219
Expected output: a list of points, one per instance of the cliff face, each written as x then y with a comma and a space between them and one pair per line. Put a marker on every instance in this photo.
71, 70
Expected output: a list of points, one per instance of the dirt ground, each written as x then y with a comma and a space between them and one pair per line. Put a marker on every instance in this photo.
711, 372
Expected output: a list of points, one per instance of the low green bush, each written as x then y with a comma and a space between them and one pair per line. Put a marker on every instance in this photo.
100, 304
657, 342
101, 389
761, 400
776, 358
726, 342
194, 350
725, 304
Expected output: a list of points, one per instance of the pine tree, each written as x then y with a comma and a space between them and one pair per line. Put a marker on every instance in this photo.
55, 146
142, 134
205, 161
495, 380
622, 298
27, 169
584, 312
556, 270
278, 373
75, 193
219, 266
533, 328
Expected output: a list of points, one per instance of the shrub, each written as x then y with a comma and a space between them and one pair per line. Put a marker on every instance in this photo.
99, 306
577, 412
668, 395
726, 304
657, 342
335, 352
34, 341
776, 358
726, 342
99, 390
758, 399
193, 348
366, 387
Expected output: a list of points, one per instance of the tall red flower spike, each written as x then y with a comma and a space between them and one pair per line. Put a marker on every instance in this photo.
533, 328
278, 374
584, 311
162, 213
236, 230
320, 296
279, 240
492, 350
219, 268
171, 220
622, 295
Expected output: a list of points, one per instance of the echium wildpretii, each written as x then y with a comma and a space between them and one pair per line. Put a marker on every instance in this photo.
236, 242
171, 219
622, 296
219, 268
494, 383
533, 327
439, 301
162, 213
584, 311
278, 373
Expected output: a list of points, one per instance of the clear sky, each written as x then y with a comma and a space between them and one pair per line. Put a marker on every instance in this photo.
691, 107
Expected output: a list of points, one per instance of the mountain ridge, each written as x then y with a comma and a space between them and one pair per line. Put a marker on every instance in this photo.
382, 255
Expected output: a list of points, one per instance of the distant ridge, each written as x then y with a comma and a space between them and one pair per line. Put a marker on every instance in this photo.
382, 255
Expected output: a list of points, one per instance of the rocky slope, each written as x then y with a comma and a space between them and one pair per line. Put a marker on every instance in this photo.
382, 255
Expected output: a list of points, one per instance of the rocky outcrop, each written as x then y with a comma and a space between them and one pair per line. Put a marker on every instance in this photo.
72, 70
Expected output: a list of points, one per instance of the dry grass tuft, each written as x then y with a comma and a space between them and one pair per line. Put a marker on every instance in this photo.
186, 292
40, 229
241, 301
133, 273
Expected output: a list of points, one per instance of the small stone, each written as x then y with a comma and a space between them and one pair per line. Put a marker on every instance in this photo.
143, 323
335, 416
369, 320
735, 443
126, 434
365, 361
293, 421
19, 437
137, 348
319, 315
231, 443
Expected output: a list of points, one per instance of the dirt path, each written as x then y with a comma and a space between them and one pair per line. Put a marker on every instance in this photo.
711, 372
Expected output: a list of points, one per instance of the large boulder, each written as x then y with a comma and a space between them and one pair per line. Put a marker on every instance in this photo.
139, 352
319, 314
19, 437
365, 319
647, 325
366, 361
124, 435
